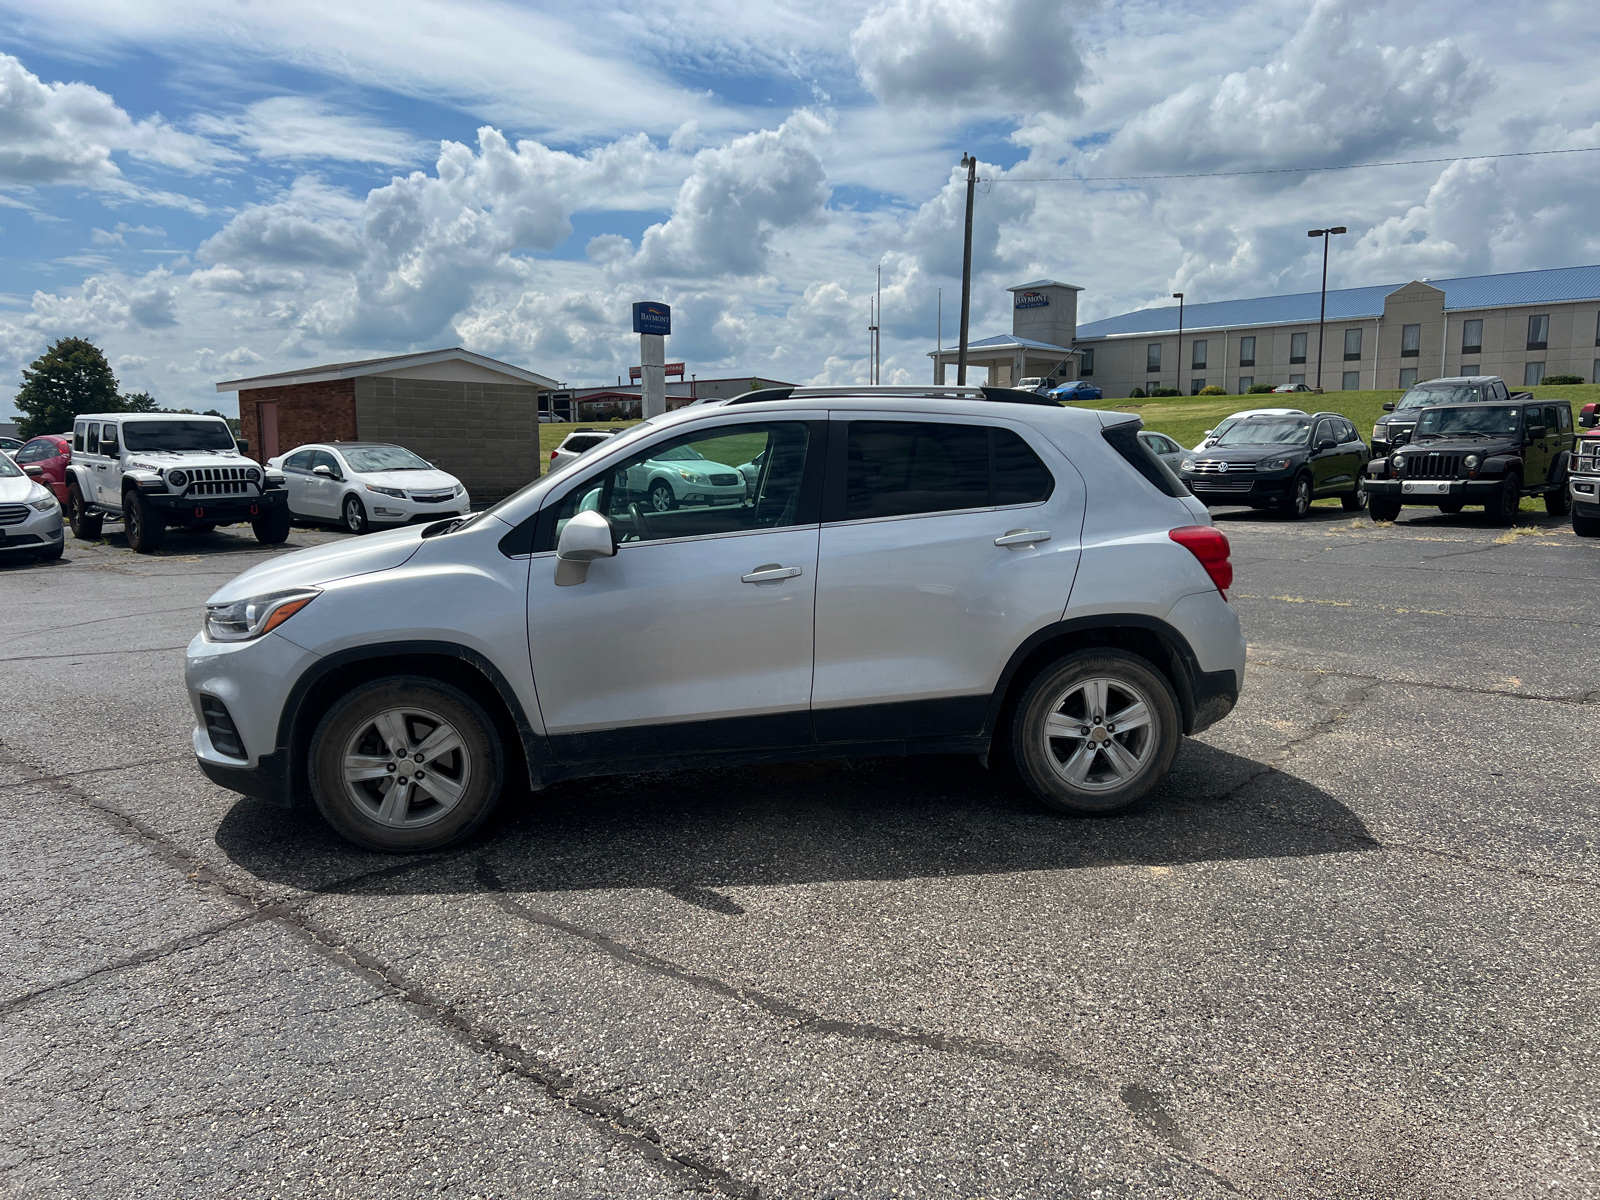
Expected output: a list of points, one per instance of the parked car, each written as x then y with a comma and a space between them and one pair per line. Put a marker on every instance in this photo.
1036, 384
1163, 447
987, 576
10, 445
1491, 453
1584, 476
30, 516
1283, 462
574, 444
52, 454
367, 485
1291, 387
152, 470
1212, 435
1393, 430
1078, 389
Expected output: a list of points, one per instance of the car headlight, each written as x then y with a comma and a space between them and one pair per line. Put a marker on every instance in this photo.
689, 475
45, 503
1399, 461
1378, 432
1281, 463
177, 479
243, 620
274, 480
1186, 465
253, 475
1472, 461
395, 492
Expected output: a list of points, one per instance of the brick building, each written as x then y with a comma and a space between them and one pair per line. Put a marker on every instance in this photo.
474, 416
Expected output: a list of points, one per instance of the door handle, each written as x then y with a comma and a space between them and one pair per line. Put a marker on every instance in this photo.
1022, 537
771, 573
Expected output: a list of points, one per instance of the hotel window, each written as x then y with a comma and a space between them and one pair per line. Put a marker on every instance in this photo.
1597, 329
1086, 364
1410, 341
1352, 381
1246, 382
1472, 337
1297, 379
1195, 385
1152, 357
1297, 349
1538, 332
1469, 368
1247, 350
1596, 374
1352, 345
1408, 377
1532, 373
1199, 359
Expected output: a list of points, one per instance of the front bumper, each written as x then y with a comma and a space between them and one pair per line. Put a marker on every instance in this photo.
35, 532
1585, 493
1431, 491
1259, 490
216, 510
253, 680
393, 510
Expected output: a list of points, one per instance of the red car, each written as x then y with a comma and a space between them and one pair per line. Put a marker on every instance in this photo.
50, 452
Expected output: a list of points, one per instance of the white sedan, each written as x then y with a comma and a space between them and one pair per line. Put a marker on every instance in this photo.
362, 485
1213, 436
30, 518
682, 475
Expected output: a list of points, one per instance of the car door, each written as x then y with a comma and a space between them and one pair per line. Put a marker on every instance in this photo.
1538, 452
945, 544
108, 472
323, 491
1325, 464
697, 635
296, 475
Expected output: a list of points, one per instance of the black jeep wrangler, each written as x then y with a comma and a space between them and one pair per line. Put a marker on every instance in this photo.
1488, 454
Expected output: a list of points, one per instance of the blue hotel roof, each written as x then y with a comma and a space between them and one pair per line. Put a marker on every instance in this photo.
1348, 304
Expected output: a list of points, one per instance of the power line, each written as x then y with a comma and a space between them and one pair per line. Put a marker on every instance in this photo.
1411, 162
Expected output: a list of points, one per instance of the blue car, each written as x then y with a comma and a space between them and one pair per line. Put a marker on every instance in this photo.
1078, 389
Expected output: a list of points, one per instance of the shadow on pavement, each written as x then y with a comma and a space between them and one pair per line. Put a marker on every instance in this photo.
878, 819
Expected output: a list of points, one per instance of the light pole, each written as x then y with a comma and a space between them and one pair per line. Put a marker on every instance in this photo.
971, 164
1322, 312
1178, 296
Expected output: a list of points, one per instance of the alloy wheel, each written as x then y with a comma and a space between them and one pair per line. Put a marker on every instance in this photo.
406, 767
1099, 734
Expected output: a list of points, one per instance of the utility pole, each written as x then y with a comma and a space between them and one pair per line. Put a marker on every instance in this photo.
877, 333
1178, 296
872, 340
1322, 312
971, 164
938, 336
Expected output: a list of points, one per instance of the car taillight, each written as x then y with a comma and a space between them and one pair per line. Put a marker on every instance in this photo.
1211, 547
552, 456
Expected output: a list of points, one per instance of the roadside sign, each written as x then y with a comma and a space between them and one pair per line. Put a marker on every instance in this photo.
651, 317
1024, 300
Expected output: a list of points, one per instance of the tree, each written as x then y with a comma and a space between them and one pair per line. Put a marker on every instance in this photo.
71, 377
139, 402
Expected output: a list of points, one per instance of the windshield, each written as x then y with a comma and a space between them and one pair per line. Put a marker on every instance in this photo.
1425, 395
383, 458
9, 469
1259, 432
196, 434
1439, 422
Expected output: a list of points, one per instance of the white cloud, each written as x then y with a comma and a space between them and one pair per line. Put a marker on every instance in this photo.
301, 128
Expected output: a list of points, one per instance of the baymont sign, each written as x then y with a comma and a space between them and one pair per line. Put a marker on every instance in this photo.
1032, 300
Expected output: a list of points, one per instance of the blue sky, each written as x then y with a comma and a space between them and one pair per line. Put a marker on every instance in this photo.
214, 190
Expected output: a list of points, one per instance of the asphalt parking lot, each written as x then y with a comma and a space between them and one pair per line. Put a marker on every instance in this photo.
1347, 950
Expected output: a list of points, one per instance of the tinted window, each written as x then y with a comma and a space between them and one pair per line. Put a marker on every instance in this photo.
1324, 431
35, 451
192, 434
321, 458
1019, 476
578, 444
1564, 415
108, 438
1268, 431
300, 460
1124, 439
1550, 418
1444, 421
77, 436
92, 438
895, 468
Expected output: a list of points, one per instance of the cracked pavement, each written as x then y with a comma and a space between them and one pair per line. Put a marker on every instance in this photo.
1346, 950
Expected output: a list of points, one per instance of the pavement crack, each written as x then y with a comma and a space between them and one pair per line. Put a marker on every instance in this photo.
1343, 673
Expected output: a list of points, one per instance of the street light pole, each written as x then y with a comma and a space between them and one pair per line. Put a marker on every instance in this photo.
971, 164
1178, 296
1322, 312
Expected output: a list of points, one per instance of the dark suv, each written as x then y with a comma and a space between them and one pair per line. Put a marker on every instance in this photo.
1488, 454
1282, 462
1393, 429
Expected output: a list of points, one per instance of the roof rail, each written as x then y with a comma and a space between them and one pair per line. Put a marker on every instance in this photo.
998, 395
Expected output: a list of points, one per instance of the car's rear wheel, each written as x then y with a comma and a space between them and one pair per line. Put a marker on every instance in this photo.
1095, 731
85, 524
1503, 509
406, 764
355, 515
1383, 508
145, 529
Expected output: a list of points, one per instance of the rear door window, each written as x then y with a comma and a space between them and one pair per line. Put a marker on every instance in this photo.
299, 461
92, 438
1018, 476
898, 468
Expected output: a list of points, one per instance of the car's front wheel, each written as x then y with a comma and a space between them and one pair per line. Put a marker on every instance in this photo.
1383, 508
1095, 731
355, 515
405, 764
1585, 526
662, 498
1299, 503
144, 526
272, 526
1503, 509
1356, 499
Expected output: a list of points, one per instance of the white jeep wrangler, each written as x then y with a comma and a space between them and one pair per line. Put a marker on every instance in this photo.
152, 470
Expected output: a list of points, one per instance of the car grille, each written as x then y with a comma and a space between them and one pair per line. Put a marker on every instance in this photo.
13, 514
218, 481
724, 480
432, 497
1215, 466
1432, 466
1222, 485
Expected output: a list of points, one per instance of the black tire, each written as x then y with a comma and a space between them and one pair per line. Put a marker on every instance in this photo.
1356, 499
1452, 507
145, 529
355, 516
372, 812
662, 497
1585, 526
84, 524
1503, 509
1559, 502
272, 526
1298, 504
1383, 508
1106, 781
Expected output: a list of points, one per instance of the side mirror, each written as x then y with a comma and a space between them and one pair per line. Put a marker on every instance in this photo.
586, 537
323, 469
243, 444
1535, 432
33, 472
1388, 406
1327, 444
1208, 433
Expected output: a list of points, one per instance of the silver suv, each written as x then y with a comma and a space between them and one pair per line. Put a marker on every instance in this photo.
907, 571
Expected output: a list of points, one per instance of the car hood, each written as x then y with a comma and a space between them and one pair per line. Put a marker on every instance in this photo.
162, 459
323, 564
410, 481
21, 491
1246, 454
1482, 447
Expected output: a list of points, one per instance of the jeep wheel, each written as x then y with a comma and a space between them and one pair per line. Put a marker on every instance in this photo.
1559, 502
272, 526
1095, 731
143, 525
1503, 509
1357, 499
355, 515
662, 498
1451, 507
1383, 508
84, 524
1299, 501
406, 764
